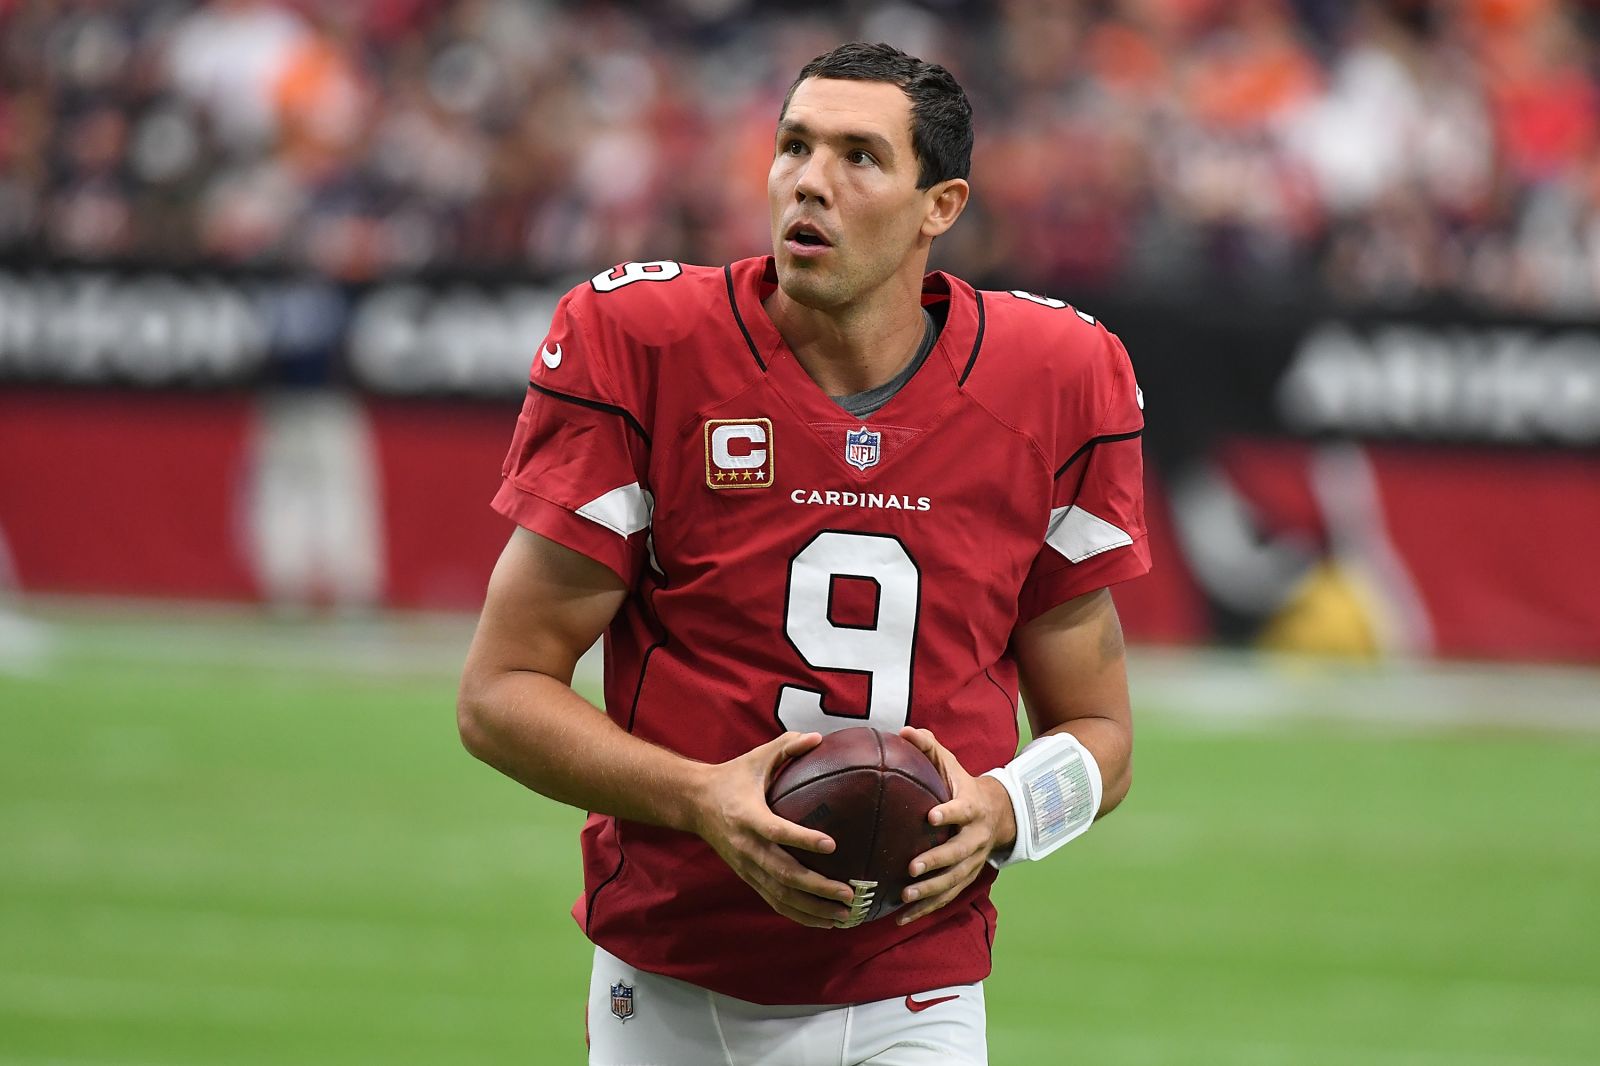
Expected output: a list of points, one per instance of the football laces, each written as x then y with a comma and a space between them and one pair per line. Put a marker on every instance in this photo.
860, 903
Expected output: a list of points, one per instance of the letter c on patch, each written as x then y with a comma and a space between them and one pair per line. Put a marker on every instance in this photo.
754, 459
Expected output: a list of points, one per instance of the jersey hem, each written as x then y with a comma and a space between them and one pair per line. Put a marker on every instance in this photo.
905, 981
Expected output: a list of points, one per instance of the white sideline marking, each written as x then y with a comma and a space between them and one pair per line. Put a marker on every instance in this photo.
1214, 688
1243, 688
26, 645
410, 644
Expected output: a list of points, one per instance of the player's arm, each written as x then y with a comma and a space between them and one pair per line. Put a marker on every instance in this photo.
1068, 648
517, 711
1070, 662
1072, 665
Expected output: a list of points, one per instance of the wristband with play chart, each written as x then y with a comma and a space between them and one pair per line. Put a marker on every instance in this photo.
1055, 789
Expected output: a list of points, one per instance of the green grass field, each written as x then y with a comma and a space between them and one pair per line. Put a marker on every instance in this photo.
219, 844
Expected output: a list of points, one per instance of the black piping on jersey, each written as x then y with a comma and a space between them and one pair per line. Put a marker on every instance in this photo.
633, 711
597, 405
733, 304
647, 600
977, 342
988, 930
1090, 445
622, 858
1016, 730
644, 667
1005, 696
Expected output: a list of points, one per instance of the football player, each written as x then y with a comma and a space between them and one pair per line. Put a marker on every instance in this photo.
812, 490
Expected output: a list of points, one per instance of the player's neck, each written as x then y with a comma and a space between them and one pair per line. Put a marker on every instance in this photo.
852, 350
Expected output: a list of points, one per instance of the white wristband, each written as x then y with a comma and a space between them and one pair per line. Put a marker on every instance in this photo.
1055, 790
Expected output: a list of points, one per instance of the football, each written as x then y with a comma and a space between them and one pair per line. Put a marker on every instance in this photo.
871, 792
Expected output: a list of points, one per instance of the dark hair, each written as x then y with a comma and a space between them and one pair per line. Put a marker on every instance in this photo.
941, 117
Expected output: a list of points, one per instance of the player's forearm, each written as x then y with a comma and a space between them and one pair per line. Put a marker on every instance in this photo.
1111, 743
1073, 672
538, 731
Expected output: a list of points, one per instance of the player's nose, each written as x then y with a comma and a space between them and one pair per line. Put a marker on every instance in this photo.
812, 183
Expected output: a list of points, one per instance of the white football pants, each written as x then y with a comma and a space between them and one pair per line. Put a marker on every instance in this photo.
673, 1023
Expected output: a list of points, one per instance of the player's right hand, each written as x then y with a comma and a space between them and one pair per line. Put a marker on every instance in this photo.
731, 814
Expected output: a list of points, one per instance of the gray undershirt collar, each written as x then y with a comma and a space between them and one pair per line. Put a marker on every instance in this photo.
868, 401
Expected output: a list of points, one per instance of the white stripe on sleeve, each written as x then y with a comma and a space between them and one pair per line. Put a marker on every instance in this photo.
624, 510
1077, 534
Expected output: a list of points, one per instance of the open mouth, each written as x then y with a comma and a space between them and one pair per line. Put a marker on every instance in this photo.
804, 233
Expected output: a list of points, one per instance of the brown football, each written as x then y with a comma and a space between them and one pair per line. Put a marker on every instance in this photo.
871, 792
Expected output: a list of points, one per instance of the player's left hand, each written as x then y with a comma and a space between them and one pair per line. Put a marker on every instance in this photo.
979, 808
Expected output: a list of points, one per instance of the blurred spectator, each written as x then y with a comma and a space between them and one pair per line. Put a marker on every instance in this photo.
228, 56
1385, 150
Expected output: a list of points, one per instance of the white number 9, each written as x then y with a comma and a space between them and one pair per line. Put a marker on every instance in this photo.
628, 273
882, 651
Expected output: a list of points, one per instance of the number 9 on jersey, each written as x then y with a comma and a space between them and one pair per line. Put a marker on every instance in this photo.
883, 650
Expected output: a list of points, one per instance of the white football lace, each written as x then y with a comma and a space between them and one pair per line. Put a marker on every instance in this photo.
860, 903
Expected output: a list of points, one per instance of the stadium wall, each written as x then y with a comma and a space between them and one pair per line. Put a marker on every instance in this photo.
1422, 480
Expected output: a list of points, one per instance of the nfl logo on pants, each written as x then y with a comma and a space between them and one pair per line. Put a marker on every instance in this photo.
861, 448
622, 1001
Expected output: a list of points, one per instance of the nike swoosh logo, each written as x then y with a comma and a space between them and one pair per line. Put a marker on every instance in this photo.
551, 359
916, 1006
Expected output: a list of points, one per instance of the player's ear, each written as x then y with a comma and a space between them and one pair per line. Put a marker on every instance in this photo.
945, 200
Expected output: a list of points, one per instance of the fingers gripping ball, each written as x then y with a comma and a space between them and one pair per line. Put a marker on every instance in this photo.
871, 792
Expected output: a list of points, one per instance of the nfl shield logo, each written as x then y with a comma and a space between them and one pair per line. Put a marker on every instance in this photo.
622, 1001
861, 448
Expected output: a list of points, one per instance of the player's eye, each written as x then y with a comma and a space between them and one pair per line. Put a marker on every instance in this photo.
792, 148
861, 157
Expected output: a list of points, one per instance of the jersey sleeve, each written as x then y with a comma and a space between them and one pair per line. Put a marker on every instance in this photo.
1096, 533
577, 468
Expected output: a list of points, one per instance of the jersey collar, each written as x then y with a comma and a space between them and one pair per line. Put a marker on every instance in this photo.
916, 405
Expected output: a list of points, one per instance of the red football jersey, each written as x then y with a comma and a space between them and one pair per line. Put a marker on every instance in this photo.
792, 567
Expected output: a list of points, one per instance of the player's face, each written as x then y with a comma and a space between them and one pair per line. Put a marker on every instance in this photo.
846, 211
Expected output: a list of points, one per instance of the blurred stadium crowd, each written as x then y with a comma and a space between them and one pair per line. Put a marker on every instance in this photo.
1376, 150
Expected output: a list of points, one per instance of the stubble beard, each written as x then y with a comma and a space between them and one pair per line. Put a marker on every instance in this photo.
813, 287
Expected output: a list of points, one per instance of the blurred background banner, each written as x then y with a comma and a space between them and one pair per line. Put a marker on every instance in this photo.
272, 274
1319, 478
